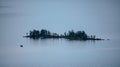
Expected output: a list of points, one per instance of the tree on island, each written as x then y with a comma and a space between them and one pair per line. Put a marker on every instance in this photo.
34, 34
43, 33
76, 35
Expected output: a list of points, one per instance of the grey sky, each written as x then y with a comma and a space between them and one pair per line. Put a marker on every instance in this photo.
100, 17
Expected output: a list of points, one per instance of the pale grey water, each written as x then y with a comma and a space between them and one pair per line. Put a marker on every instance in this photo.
60, 53
95, 17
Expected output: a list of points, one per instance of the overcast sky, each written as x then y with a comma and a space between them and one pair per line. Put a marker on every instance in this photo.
99, 17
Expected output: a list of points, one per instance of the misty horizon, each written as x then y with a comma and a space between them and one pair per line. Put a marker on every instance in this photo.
96, 17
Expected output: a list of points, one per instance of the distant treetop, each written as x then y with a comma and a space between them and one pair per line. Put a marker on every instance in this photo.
71, 35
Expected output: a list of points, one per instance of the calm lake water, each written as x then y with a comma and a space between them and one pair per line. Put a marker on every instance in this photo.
60, 53
97, 17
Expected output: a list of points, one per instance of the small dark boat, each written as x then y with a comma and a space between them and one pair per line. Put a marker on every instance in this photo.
21, 45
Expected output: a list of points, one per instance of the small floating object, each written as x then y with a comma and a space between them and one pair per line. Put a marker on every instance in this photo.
21, 45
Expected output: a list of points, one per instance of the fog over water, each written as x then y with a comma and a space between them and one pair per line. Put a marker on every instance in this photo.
97, 17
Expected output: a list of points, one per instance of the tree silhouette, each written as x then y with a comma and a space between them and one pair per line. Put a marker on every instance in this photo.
71, 33
78, 35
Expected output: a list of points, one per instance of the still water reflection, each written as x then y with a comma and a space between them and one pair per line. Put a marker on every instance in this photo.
94, 16
61, 53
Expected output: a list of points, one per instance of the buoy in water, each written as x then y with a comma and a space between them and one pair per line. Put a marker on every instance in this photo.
21, 45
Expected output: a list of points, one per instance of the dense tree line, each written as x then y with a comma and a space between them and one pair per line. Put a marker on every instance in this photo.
43, 33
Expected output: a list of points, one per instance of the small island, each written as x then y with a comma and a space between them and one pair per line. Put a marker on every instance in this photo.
70, 35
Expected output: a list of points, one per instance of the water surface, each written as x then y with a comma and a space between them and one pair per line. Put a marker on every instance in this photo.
97, 17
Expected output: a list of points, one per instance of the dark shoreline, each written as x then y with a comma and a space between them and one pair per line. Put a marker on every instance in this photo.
62, 37
71, 35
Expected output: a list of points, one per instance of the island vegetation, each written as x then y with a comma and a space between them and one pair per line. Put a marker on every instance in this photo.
71, 35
